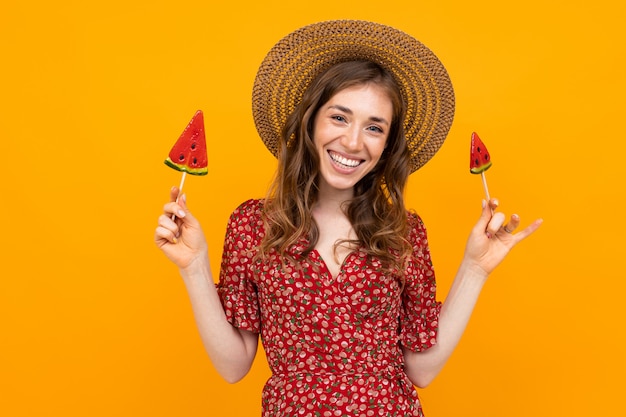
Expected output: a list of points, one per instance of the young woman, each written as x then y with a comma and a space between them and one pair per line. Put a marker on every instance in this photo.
330, 269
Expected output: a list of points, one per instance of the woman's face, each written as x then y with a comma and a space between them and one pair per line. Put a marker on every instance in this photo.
350, 132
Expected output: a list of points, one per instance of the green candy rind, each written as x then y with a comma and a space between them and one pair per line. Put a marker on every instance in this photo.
481, 169
183, 168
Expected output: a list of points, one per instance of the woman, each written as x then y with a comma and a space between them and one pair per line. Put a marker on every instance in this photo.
330, 269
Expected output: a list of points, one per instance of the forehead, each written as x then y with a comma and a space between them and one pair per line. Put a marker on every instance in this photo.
365, 97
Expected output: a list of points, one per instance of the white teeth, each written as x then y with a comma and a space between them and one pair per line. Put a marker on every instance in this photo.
344, 161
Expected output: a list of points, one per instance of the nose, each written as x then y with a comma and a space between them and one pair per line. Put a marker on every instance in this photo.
352, 140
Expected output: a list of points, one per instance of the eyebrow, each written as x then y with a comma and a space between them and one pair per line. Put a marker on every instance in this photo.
348, 111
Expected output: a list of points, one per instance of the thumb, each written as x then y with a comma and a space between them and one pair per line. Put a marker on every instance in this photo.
485, 216
182, 202
189, 220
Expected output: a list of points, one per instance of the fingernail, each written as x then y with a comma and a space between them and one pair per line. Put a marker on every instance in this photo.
484, 203
496, 202
181, 213
174, 240
184, 197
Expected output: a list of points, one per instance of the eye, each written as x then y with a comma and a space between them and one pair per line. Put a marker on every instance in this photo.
338, 118
375, 128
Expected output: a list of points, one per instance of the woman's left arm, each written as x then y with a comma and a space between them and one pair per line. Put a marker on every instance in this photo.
488, 244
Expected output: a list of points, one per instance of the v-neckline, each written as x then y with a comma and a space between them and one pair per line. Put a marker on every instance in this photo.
324, 264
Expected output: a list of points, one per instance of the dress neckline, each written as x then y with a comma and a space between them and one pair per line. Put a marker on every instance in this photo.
322, 262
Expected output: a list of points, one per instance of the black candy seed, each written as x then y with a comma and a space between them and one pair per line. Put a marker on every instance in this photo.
181, 157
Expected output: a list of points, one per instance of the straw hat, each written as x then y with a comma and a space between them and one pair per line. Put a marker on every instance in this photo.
299, 57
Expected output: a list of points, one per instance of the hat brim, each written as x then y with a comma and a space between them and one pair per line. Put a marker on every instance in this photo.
297, 59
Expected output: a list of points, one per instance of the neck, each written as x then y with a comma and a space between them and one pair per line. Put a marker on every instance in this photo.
329, 198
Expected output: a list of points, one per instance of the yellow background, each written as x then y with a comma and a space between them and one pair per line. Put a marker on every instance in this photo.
94, 321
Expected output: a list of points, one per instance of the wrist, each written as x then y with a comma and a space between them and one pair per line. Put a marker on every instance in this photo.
197, 267
473, 270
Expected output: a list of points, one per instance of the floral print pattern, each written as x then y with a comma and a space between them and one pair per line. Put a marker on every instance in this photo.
332, 344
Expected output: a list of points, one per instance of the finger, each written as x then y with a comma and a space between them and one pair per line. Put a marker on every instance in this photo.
174, 191
173, 208
183, 201
493, 204
529, 230
512, 224
489, 208
190, 219
162, 233
184, 210
485, 216
180, 210
495, 224
166, 222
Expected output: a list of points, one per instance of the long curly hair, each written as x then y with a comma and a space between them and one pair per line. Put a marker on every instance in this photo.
376, 211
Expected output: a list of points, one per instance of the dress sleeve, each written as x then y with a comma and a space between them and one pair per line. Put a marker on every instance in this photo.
236, 287
419, 315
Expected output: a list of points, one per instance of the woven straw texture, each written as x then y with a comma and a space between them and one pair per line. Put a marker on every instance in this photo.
298, 58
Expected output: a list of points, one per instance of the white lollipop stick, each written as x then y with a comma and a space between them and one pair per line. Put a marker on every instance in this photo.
482, 174
180, 190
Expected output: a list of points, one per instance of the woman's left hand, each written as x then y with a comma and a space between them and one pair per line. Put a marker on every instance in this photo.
492, 238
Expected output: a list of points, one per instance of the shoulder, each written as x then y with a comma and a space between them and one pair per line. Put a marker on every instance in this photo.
245, 230
248, 215
416, 230
250, 208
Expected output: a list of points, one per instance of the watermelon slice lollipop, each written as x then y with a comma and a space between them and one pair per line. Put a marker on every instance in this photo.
480, 160
189, 152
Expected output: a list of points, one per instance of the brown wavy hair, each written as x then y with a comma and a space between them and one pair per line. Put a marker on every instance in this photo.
376, 211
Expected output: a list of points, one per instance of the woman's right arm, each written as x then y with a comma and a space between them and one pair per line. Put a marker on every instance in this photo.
231, 350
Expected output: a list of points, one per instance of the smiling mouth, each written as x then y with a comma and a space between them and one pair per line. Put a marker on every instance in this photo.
343, 161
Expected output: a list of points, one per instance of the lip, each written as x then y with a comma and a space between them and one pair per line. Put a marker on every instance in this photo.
342, 162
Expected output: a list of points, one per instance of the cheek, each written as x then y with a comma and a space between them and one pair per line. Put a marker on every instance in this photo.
380, 148
321, 134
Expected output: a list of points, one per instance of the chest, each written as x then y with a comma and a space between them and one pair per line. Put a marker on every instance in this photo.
334, 242
301, 292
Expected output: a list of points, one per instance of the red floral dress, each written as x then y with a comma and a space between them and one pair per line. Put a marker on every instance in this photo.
333, 345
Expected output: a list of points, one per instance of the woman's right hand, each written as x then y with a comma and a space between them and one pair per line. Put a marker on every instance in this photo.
179, 234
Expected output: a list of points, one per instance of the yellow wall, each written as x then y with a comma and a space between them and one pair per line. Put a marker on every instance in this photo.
94, 321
